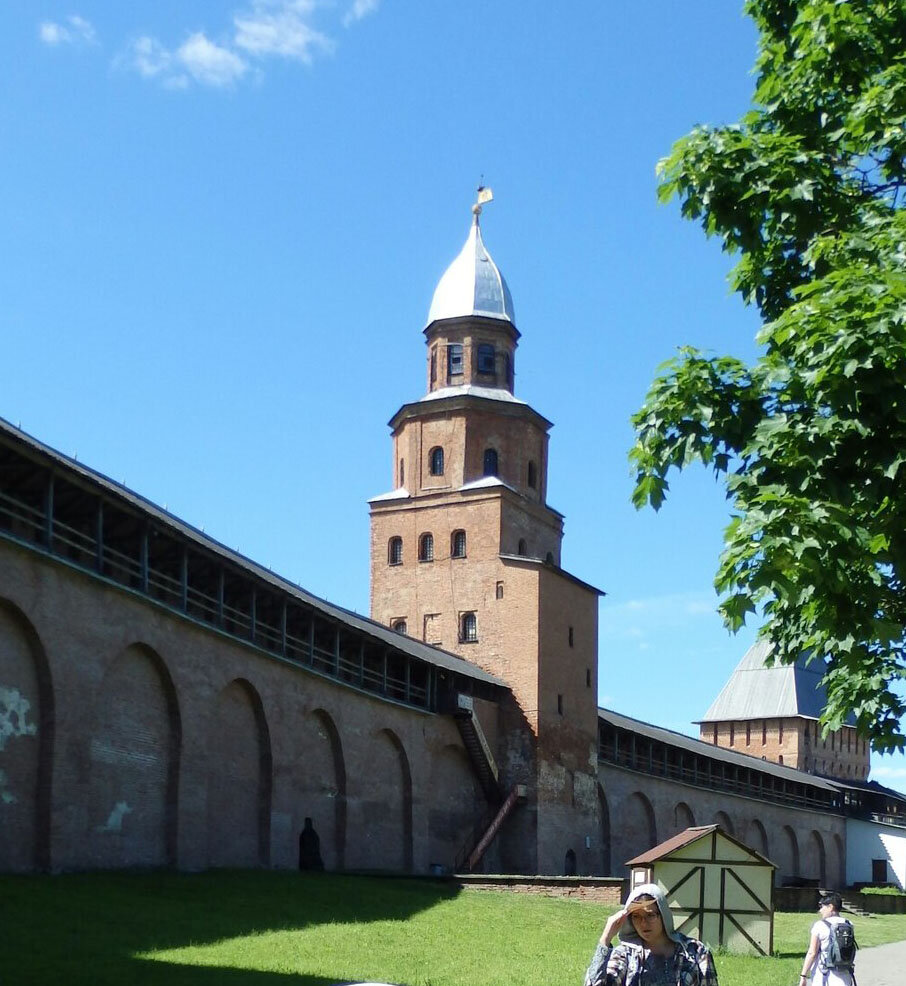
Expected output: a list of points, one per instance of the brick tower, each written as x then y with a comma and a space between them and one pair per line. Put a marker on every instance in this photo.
465, 554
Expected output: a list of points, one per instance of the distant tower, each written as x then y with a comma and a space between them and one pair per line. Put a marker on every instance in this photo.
772, 713
465, 554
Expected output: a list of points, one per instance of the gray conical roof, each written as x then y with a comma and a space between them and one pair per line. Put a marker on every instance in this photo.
757, 692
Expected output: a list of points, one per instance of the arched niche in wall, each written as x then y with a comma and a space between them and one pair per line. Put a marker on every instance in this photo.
26, 744
456, 804
606, 849
722, 819
240, 770
757, 838
320, 777
637, 830
134, 756
815, 867
380, 829
682, 817
839, 861
788, 862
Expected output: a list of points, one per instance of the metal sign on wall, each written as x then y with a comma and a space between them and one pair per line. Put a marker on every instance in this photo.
719, 890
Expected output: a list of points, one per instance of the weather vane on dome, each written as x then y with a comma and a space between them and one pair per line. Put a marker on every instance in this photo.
485, 194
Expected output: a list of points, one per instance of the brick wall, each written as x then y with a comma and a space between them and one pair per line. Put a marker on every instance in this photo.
795, 742
155, 740
610, 891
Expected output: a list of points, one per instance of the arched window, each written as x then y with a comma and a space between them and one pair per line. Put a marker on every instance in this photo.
523, 548
399, 626
532, 475
468, 628
490, 462
426, 547
436, 461
395, 551
458, 544
498, 592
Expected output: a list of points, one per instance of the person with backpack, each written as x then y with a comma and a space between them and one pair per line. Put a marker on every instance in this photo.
831, 955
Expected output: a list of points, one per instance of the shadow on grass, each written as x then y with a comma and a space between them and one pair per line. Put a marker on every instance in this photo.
89, 928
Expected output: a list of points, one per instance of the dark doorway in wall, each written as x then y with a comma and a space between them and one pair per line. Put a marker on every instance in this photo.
879, 871
569, 864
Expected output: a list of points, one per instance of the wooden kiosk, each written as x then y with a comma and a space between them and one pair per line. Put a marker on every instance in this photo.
718, 889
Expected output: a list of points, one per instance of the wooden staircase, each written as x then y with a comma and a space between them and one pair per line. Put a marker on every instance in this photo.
500, 804
478, 748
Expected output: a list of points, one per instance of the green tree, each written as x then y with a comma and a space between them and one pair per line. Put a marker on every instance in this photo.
810, 439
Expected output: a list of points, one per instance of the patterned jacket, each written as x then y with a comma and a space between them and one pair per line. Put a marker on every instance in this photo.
623, 965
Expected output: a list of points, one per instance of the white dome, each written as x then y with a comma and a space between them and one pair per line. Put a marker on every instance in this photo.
472, 285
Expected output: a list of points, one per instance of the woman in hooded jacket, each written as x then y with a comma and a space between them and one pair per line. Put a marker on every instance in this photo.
651, 952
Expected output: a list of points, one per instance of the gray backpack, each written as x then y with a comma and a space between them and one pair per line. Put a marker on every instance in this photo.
840, 955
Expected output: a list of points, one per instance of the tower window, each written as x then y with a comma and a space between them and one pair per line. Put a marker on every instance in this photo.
399, 625
764, 731
395, 551
490, 462
549, 558
571, 637
454, 360
498, 592
402, 472
732, 733
522, 550
433, 367
588, 677
748, 734
436, 461
560, 705
508, 369
426, 547
458, 544
486, 359
468, 628
532, 475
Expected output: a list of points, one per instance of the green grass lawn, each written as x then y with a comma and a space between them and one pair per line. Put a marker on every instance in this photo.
263, 928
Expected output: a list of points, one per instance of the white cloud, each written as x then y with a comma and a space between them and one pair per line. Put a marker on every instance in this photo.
358, 10
280, 27
208, 62
76, 30
262, 29
197, 58
151, 60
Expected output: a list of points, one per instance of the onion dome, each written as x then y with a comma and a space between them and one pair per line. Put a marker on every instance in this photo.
472, 284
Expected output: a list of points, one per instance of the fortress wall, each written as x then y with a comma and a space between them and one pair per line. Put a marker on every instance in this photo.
644, 810
131, 736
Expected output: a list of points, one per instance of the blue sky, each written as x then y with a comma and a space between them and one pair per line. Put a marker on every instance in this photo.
223, 223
